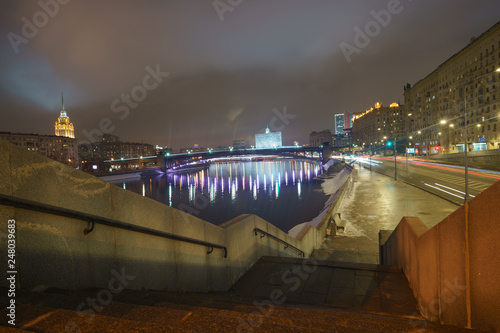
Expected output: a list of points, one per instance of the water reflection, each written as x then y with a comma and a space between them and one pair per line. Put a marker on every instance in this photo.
170, 194
278, 191
241, 177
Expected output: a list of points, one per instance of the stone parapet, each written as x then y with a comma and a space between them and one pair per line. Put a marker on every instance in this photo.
454, 267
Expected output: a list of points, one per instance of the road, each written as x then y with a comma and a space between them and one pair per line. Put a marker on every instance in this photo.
445, 181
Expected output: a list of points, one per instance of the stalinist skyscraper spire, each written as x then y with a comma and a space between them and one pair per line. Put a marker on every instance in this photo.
63, 126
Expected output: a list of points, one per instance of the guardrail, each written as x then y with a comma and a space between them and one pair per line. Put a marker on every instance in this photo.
287, 245
12, 201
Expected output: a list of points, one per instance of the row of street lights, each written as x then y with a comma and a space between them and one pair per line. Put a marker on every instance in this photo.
443, 122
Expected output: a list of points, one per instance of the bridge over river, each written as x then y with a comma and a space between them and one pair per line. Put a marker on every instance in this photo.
168, 161
171, 160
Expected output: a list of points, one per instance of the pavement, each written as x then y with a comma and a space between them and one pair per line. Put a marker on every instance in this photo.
376, 202
55, 310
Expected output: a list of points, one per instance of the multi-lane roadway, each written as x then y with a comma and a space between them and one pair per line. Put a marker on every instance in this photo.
446, 181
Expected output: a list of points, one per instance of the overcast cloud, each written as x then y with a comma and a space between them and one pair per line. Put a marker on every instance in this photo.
224, 77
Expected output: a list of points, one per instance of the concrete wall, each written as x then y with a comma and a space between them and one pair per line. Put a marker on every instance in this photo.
53, 251
454, 267
486, 159
312, 237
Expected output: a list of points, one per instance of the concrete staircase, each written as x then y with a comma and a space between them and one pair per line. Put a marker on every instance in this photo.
276, 295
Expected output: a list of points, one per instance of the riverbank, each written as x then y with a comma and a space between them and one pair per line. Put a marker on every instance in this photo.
333, 181
127, 174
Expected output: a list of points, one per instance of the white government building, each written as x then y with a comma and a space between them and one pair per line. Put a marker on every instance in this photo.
268, 139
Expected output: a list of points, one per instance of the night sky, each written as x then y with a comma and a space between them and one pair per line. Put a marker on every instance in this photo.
232, 69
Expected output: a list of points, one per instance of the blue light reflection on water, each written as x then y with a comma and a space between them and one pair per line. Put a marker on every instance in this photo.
282, 192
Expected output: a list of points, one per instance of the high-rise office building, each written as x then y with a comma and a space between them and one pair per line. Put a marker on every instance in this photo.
347, 121
339, 124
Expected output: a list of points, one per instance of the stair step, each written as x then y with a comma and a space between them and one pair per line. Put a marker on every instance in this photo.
60, 320
359, 287
11, 329
175, 315
320, 318
195, 312
252, 317
146, 319
332, 263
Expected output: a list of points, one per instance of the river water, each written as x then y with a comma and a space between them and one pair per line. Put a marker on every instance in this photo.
282, 192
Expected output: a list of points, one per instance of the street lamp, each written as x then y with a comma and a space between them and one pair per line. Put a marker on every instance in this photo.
407, 146
466, 147
395, 161
385, 145
369, 140
371, 152
447, 138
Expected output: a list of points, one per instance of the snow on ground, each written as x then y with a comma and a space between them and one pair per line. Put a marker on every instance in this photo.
330, 187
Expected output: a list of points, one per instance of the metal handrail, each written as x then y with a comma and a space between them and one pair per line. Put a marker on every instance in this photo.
8, 200
287, 245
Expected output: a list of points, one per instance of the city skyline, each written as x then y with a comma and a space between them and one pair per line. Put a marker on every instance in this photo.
219, 75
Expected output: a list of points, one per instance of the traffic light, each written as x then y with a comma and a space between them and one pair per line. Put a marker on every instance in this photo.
389, 143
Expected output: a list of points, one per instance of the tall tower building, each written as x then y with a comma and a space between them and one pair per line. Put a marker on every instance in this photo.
347, 121
339, 124
63, 126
